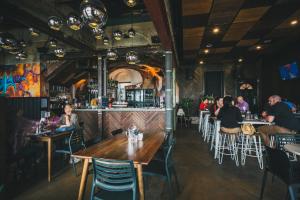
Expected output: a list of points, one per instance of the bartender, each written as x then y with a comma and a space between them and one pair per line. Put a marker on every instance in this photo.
69, 118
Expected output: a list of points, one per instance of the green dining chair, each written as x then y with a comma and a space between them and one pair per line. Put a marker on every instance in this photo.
164, 169
113, 179
74, 143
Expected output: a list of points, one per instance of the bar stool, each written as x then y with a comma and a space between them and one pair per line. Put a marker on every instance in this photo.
201, 112
206, 127
252, 147
181, 117
227, 146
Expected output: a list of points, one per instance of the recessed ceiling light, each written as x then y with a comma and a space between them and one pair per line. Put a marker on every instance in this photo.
294, 22
216, 30
206, 51
201, 62
240, 60
258, 47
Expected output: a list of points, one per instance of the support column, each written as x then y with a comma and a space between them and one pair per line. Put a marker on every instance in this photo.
169, 92
100, 70
105, 77
100, 79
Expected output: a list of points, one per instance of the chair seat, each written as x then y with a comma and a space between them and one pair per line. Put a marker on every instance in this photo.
108, 195
155, 167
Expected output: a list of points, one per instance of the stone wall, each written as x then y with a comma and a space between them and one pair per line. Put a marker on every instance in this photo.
193, 86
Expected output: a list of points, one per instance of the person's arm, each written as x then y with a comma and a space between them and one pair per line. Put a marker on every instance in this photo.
270, 118
217, 111
74, 120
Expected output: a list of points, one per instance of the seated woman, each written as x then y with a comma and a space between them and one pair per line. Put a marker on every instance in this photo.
229, 116
215, 108
69, 118
204, 104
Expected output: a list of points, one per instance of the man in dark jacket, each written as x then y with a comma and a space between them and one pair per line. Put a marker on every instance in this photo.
282, 117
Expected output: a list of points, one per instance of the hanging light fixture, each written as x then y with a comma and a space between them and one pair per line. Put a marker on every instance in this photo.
21, 55
98, 32
59, 52
131, 32
22, 43
55, 23
106, 41
52, 43
112, 54
93, 13
132, 57
34, 32
74, 22
14, 51
117, 35
130, 3
7, 41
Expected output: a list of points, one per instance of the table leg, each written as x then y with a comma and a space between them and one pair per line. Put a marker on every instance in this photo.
140, 180
49, 158
83, 179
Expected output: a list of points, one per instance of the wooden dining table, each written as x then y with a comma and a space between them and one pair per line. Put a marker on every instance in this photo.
49, 139
120, 148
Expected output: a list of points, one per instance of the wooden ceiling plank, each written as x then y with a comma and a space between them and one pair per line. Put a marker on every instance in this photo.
194, 7
251, 14
190, 32
237, 31
249, 42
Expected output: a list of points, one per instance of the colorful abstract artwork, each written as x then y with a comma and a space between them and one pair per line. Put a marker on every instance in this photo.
23, 81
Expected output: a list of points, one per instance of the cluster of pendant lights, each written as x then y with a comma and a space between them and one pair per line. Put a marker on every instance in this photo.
12, 46
94, 14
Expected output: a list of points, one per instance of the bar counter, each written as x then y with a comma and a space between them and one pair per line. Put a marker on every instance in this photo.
101, 122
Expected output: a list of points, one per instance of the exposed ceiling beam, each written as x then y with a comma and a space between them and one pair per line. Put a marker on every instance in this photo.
159, 15
28, 20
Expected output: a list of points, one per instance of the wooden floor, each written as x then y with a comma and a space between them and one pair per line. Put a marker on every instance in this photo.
200, 176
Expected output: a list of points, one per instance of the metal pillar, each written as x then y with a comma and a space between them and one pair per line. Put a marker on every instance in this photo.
105, 77
169, 92
100, 80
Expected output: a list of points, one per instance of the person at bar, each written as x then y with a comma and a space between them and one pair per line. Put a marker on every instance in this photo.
204, 104
280, 114
215, 108
242, 104
229, 116
69, 118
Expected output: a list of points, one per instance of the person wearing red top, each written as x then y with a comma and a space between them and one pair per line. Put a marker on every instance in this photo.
204, 104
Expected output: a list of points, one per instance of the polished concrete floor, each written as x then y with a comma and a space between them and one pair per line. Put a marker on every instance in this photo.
200, 177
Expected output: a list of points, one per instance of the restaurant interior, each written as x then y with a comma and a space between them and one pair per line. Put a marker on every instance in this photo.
149, 99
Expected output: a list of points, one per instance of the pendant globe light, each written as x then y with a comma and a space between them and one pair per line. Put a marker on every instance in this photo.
74, 22
112, 55
106, 41
93, 13
55, 23
131, 32
34, 32
52, 43
117, 35
7, 41
59, 52
98, 32
132, 57
130, 3
21, 55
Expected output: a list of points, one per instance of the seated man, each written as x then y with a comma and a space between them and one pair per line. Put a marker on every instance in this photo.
242, 104
281, 115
